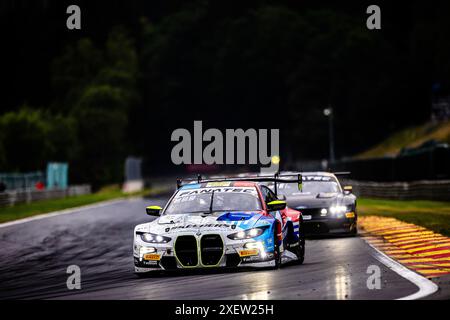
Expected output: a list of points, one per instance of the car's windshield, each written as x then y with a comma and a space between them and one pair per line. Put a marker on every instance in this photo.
224, 199
309, 187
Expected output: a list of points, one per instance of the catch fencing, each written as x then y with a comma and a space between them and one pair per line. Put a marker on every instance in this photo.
13, 197
27, 180
438, 190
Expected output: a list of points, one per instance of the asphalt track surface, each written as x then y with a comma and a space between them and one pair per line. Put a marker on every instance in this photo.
35, 255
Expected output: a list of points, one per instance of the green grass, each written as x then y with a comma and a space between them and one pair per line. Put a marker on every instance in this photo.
410, 137
433, 215
45, 206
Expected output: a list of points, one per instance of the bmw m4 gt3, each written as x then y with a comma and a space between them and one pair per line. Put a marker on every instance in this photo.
219, 224
327, 208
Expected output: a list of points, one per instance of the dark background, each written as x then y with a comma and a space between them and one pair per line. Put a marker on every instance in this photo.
137, 70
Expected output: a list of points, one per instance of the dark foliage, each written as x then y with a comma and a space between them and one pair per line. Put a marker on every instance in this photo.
140, 69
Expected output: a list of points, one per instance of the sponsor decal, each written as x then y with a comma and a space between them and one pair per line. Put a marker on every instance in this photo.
216, 190
235, 216
248, 252
218, 184
350, 214
196, 226
152, 257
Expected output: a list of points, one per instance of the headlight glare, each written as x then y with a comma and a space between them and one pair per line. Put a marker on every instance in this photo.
153, 238
247, 234
338, 209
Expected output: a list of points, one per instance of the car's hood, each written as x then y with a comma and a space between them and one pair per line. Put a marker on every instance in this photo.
306, 201
217, 222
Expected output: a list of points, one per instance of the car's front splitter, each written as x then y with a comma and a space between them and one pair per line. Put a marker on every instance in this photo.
329, 226
261, 264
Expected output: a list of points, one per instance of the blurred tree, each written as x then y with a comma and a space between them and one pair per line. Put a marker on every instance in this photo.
101, 126
351, 69
31, 138
63, 137
78, 65
3, 162
25, 139
260, 64
101, 111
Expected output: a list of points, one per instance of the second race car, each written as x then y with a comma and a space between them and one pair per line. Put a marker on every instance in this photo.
326, 206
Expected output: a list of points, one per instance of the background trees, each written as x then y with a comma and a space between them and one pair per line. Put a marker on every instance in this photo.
141, 69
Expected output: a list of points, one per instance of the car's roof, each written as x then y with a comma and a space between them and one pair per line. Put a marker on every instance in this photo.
225, 184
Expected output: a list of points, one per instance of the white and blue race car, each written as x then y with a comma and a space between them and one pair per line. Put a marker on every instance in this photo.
220, 223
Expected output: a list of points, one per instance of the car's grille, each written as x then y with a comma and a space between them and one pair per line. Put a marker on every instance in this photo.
314, 213
233, 260
315, 228
186, 250
168, 263
211, 249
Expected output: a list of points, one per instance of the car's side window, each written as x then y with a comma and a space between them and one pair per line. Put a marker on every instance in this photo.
272, 196
264, 193
268, 194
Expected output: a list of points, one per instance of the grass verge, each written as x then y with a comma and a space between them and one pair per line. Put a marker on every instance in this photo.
411, 138
44, 206
433, 215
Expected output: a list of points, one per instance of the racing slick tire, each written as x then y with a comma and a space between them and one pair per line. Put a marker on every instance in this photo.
354, 231
300, 250
141, 275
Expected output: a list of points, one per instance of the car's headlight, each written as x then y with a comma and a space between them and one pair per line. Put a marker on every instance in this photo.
338, 209
154, 238
247, 234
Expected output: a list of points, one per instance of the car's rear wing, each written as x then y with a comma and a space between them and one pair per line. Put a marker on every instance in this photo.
276, 178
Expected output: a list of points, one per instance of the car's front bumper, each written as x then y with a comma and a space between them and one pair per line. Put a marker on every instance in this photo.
329, 225
235, 254
170, 263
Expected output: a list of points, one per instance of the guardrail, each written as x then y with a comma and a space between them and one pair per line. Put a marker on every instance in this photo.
417, 190
13, 197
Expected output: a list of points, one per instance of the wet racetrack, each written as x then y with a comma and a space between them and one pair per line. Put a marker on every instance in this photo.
36, 254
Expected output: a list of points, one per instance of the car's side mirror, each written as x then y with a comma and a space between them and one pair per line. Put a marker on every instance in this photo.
281, 197
348, 189
153, 210
276, 205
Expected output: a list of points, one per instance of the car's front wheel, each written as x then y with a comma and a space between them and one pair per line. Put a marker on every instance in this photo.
354, 230
141, 274
301, 249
